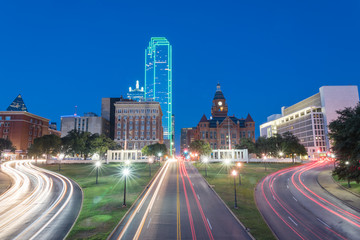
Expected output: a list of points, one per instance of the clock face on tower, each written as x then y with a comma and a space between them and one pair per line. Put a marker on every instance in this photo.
219, 103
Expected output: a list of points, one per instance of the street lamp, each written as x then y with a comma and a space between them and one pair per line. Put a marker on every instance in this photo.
159, 155
150, 162
97, 165
205, 160
125, 172
265, 162
239, 166
61, 157
234, 174
281, 154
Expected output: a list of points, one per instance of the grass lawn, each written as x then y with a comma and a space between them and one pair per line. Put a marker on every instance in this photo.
355, 187
251, 174
102, 206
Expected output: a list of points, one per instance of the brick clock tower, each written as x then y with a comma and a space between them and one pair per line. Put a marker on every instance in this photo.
219, 106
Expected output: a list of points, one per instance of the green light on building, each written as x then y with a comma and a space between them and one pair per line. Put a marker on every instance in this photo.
158, 81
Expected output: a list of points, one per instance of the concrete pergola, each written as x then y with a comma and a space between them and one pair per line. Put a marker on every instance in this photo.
124, 155
219, 155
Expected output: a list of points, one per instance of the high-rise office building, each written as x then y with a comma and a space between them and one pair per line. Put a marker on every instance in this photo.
158, 82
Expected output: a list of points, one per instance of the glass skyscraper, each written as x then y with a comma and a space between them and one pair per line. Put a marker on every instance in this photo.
158, 82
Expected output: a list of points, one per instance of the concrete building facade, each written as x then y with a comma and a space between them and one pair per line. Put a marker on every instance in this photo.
90, 122
137, 124
108, 112
309, 119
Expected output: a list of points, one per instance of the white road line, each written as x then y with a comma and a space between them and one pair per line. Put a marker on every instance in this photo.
287, 186
198, 196
292, 221
323, 222
294, 198
149, 223
209, 223
274, 197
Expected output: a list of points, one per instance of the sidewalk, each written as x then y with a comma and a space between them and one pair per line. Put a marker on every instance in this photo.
5, 182
328, 183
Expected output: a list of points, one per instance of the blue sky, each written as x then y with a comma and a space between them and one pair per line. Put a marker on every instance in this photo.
265, 54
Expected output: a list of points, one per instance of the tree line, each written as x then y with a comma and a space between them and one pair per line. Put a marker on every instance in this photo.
75, 143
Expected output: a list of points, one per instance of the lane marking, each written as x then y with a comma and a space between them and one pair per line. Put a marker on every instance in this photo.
198, 196
209, 223
323, 222
295, 198
149, 223
292, 221
287, 186
274, 197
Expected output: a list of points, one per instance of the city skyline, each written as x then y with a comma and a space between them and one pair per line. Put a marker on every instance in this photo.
60, 59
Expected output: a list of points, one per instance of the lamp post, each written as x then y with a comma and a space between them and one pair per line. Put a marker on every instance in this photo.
239, 166
234, 174
265, 163
159, 155
150, 162
348, 180
281, 154
61, 157
205, 160
97, 165
125, 172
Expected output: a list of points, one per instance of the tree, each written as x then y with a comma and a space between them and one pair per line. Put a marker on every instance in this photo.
345, 136
101, 144
262, 146
246, 143
154, 149
200, 147
47, 144
292, 146
6, 144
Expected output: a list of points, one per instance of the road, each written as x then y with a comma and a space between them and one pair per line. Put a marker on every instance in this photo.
39, 204
179, 205
295, 206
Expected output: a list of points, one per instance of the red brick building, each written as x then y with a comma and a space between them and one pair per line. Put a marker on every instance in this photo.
21, 128
220, 130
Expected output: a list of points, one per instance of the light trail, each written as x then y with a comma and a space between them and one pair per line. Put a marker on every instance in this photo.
161, 175
185, 173
288, 212
35, 199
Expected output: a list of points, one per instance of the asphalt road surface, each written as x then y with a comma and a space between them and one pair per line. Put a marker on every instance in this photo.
39, 204
295, 206
179, 205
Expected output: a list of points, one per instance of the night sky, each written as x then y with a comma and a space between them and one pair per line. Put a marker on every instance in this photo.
265, 54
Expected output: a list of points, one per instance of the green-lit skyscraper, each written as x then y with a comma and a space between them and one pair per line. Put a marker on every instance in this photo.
158, 82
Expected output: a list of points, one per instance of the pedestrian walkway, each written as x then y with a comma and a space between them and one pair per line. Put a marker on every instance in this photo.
328, 183
5, 182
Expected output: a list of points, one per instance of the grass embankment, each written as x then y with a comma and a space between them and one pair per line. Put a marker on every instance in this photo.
355, 187
102, 206
247, 212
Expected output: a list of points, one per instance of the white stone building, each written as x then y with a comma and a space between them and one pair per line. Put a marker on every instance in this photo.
309, 118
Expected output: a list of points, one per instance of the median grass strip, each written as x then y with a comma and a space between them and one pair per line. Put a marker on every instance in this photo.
251, 173
102, 207
355, 187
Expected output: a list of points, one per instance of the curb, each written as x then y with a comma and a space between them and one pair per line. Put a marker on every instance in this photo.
133, 205
347, 204
241, 224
